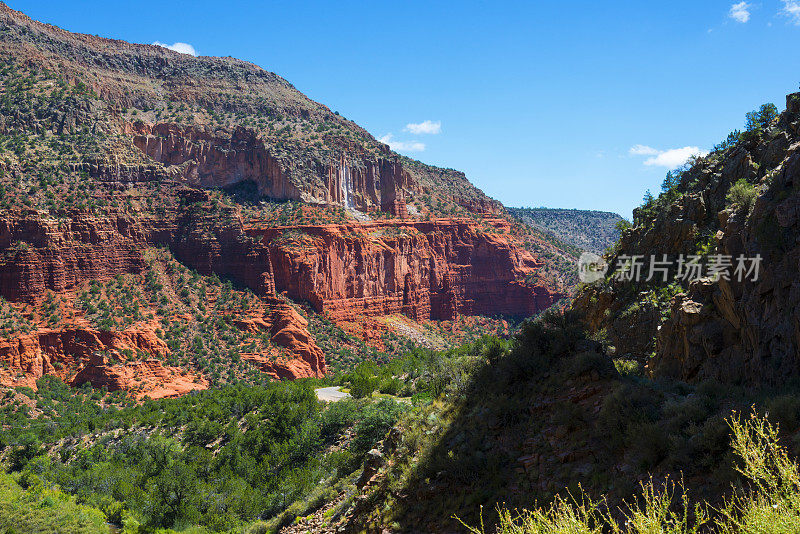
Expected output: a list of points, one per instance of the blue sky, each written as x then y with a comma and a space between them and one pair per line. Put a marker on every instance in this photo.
560, 104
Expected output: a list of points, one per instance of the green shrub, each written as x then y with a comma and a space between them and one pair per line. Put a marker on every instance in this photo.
40, 510
586, 362
376, 421
538, 345
732, 140
338, 416
759, 120
742, 194
627, 407
707, 245
363, 385
364, 380
628, 367
390, 386
27, 447
259, 527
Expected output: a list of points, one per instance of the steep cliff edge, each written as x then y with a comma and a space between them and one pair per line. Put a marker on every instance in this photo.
211, 122
436, 269
739, 201
155, 333
225, 158
111, 150
426, 269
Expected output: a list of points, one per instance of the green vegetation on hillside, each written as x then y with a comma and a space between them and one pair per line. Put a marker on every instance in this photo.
703, 207
592, 231
554, 430
491, 423
224, 458
684, 180
42, 510
220, 458
771, 504
549, 415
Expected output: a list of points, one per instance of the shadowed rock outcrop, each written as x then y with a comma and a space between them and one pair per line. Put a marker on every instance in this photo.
734, 330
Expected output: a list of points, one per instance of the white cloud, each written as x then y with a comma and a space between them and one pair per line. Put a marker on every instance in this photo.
674, 157
402, 146
183, 48
740, 12
424, 127
791, 9
643, 150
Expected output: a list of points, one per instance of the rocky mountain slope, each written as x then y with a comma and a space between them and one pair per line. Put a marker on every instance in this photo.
109, 150
641, 382
738, 324
213, 122
592, 231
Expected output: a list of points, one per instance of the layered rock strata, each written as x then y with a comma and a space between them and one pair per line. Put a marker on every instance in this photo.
80, 355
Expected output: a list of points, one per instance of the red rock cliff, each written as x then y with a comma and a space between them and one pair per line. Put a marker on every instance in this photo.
427, 270
222, 158
41, 253
136, 181
79, 355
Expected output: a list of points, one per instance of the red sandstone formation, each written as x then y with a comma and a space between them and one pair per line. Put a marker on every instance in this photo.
436, 269
214, 159
426, 270
43, 253
230, 123
288, 330
223, 159
79, 355
148, 378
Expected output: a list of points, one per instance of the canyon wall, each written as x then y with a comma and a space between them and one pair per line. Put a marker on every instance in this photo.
129, 139
424, 269
40, 253
733, 329
222, 158
436, 269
